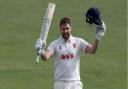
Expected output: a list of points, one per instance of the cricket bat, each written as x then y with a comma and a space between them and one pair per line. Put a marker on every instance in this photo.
45, 27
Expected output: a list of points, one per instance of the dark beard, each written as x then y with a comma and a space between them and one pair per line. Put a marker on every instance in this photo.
66, 36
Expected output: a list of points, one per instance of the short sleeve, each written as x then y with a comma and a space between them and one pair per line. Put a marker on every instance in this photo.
83, 44
51, 47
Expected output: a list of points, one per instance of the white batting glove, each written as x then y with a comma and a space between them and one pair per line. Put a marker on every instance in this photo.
39, 45
100, 30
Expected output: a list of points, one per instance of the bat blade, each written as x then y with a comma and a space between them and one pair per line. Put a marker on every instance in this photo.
47, 21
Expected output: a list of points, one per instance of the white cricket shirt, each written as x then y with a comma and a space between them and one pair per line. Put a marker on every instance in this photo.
67, 57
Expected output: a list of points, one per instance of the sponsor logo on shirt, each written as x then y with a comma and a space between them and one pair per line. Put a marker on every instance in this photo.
67, 56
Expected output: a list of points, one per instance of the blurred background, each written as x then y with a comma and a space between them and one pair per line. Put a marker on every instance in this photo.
20, 26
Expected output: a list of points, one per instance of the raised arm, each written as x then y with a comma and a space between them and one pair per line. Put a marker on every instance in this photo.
44, 54
93, 16
100, 31
91, 48
49, 52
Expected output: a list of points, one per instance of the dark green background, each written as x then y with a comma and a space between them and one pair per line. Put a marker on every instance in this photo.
20, 26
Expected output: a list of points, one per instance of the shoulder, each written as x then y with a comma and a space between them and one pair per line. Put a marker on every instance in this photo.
78, 39
81, 41
55, 42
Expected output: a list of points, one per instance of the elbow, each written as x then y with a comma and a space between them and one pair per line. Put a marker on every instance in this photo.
91, 49
94, 51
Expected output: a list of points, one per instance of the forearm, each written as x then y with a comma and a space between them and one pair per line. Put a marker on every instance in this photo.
46, 55
91, 48
95, 46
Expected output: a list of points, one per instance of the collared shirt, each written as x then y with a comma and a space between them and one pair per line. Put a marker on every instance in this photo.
67, 57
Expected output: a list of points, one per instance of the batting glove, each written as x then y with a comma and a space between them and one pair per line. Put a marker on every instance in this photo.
40, 44
100, 30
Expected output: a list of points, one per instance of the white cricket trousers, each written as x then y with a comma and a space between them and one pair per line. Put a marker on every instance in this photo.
68, 85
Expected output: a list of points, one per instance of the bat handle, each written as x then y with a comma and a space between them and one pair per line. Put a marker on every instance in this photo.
38, 56
38, 59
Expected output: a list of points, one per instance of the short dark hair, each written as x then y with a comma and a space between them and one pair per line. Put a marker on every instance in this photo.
65, 20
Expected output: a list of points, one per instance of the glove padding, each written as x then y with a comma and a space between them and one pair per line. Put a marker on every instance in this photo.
100, 30
39, 44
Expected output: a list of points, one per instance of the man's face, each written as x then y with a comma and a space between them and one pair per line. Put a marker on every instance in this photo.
65, 30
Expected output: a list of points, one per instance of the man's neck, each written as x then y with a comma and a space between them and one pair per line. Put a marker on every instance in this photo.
66, 40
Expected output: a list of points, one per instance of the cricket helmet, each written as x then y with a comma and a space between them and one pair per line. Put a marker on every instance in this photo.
93, 15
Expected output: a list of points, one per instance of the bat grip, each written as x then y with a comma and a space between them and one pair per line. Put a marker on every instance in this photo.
38, 56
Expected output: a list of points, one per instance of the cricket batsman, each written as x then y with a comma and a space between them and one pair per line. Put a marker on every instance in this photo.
66, 50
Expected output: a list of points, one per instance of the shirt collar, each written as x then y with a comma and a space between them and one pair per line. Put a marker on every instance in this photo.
69, 40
